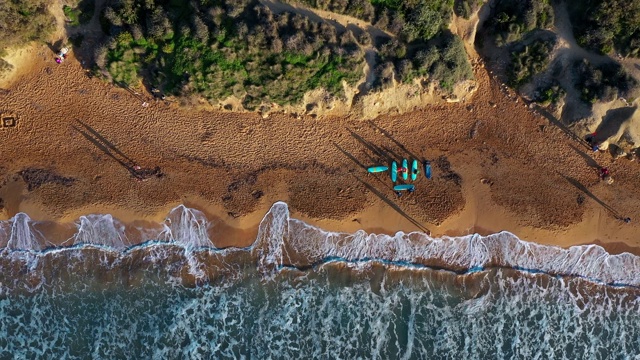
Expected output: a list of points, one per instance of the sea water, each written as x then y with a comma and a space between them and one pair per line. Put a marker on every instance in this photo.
301, 292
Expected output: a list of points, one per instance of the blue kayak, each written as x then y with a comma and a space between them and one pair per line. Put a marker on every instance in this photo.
427, 169
377, 169
394, 171
404, 187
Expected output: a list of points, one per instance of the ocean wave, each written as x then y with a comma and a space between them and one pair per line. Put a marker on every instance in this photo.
286, 242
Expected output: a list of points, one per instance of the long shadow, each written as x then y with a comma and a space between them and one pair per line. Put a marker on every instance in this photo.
347, 154
394, 154
612, 122
552, 119
590, 161
584, 189
130, 91
107, 149
400, 145
106, 142
394, 206
373, 148
357, 162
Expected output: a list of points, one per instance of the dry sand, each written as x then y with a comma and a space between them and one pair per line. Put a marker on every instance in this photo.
497, 165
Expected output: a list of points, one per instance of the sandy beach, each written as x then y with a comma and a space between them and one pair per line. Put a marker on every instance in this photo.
79, 144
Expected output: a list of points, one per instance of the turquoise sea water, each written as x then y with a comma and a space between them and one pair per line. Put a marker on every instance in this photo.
300, 292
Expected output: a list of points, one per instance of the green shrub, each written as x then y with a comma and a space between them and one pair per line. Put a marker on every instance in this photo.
528, 61
510, 20
605, 82
549, 94
605, 25
444, 60
247, 51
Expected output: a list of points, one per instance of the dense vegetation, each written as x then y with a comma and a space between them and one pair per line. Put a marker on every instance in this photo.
519, 27
22, 21
444, 59
602, 83
418, 25
605, 25
410, 19
529, 60
216, 49
511, 20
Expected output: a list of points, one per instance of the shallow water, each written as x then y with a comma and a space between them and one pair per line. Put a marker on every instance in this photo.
301, 292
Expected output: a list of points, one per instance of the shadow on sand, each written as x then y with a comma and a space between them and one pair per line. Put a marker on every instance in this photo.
552, 119
399, 144
394, 206
113, 152
590, 161
584, 189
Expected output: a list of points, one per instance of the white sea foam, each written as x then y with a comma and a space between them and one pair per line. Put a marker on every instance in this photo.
282, 240
102, 230
22, 234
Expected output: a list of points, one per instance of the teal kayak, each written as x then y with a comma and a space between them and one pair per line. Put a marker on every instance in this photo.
394, 171
405, 173
404, 187
377, 169
414, 170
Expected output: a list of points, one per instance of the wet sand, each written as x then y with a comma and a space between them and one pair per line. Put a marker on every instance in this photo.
79, 139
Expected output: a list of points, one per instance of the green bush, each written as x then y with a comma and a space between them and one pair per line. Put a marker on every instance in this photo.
24, 21
510, 20
529, 60
443, 60
605, 25
79, 14
550, 94
605, 82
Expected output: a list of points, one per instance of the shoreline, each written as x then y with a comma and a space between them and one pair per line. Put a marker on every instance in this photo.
242, 232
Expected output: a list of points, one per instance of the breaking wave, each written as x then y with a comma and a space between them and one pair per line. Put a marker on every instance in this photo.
286, 242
